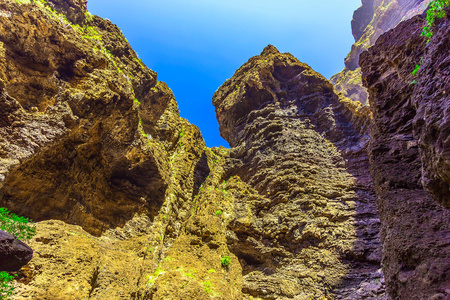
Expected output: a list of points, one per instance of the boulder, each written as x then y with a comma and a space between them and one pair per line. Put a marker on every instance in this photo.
14, 254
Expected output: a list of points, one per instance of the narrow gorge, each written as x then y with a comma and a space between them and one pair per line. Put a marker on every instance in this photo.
318, 197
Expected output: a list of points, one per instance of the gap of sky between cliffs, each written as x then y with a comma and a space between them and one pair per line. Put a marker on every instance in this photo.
195, 46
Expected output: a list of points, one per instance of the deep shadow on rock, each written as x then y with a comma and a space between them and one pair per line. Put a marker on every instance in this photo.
409, 155
75, 145
306, 225
14, 254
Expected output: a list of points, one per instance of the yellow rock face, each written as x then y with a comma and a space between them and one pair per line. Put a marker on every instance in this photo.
303, 205
130, 203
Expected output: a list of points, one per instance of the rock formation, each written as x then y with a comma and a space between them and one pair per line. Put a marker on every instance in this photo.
73, 143
372, 19
131, 204
14, 254
410, 156
90, 138
307, 225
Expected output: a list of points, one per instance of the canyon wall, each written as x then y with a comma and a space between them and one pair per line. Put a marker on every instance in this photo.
410, 155
131, 204
93, 148
308, 227
371, 20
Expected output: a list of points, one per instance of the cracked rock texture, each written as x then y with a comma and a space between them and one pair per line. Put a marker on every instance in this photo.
371, 20
410, 155
131, 204
306, 225
93, 149
69, 143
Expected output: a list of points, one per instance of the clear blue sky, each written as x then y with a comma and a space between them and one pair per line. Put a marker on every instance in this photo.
195, 46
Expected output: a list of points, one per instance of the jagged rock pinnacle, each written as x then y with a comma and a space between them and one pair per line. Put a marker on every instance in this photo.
267, 111
270, 49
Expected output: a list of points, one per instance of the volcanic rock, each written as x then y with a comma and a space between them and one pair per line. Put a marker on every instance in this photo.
307, 224
409, 155
14, 254
361, 18
92, 148
71, 146
131, 204
372, 19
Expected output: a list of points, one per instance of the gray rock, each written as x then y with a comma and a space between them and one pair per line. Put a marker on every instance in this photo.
14, 254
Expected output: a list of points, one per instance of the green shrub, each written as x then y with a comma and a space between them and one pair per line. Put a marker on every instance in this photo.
23, 229
6, 289
218, 213
226, 260
20, 227
436, 11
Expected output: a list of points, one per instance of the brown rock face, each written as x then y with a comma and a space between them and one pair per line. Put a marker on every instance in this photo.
93, 148
306, 225
409, 156
130, 203
74, 10
70, 140
14, 254
371, 20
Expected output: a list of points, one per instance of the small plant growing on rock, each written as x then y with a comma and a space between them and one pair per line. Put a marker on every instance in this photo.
436, 11
218, 213
20, 227
6, 289
416, 69
226, 260
23, 229
207, 286
151, 279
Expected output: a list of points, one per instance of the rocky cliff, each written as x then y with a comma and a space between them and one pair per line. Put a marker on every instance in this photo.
372, 19
92, 146
410, 155
131, 204
307, 227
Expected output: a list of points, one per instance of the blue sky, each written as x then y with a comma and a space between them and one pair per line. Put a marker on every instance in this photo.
195, 46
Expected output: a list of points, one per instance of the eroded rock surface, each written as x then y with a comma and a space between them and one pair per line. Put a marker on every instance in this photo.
372, 19
70, 138
306, 226
92, 143
131, 204
409, 155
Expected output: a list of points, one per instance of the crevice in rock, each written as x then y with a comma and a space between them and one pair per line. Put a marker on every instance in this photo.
93, 282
